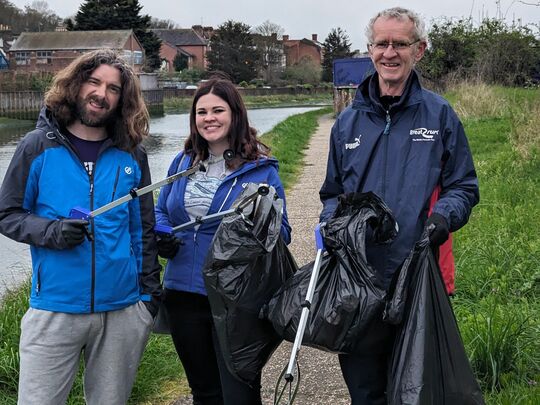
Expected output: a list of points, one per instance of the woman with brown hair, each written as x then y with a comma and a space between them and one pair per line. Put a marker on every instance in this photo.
218, 123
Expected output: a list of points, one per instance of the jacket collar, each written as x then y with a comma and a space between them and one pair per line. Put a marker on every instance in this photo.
367, 95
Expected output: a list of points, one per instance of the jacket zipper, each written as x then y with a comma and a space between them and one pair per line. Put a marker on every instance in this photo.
93, 242
386, 134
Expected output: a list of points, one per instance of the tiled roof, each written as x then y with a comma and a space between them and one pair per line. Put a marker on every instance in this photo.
180, 37
67, 40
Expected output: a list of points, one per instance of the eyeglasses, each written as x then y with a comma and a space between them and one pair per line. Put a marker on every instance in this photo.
397, 46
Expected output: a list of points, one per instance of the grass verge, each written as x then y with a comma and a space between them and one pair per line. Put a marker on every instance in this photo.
498, 252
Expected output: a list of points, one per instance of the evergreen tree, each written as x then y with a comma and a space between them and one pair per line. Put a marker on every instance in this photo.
233, 51
336, 46
120, 15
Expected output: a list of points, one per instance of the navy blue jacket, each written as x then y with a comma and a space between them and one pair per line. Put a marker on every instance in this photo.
402, 155
184, 271
45, 179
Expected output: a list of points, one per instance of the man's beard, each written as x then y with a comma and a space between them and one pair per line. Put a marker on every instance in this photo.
92, 119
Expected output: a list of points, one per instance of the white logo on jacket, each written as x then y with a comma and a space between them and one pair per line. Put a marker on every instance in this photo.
354, 144
128, 170
423, 134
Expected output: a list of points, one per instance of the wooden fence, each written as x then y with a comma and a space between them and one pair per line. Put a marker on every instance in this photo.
25, 105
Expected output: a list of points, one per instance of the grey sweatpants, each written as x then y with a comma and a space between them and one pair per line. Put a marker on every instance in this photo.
51, 344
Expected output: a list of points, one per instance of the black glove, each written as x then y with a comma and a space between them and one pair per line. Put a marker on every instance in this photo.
168, 245
73, 231
439, 232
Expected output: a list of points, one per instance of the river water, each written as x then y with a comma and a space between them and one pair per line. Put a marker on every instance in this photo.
167, 135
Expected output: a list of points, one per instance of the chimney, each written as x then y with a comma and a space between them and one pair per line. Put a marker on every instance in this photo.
285, 37
314, 37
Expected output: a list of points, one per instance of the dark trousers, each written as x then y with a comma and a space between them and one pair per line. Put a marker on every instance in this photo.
365, 377
195, 340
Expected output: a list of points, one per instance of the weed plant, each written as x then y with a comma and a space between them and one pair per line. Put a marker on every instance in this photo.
498, 252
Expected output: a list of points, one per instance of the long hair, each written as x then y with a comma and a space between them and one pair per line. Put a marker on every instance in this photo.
400, 14
242, 138
130, 125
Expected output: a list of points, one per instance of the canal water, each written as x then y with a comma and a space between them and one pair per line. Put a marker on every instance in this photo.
167, 135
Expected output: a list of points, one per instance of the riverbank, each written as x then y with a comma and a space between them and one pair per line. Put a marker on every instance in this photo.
183, 104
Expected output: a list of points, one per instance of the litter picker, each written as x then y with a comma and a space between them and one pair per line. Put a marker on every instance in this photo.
287, 373
83, 213
262, 190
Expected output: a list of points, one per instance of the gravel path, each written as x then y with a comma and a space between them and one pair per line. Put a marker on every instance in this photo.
321, 380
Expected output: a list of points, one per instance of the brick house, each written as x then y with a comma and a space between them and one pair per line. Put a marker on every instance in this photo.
301, 49
187, 42
52, 51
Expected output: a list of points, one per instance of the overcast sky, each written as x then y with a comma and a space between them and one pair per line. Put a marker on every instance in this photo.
301, 18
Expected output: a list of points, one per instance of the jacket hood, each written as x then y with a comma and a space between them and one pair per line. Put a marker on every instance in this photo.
46, 121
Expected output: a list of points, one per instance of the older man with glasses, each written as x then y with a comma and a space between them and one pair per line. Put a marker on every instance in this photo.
407, 145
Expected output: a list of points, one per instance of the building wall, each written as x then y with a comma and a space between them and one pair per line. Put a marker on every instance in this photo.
199, 55
54, 61
168, 53
296, 51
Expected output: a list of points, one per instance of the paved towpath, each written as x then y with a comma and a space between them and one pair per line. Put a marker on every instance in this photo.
321, 381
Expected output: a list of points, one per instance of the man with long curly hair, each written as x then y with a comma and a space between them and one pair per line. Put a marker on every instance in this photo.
95, 284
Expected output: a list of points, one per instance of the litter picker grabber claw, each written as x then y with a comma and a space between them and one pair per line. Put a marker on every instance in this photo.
262, 190
83, 213
287, 373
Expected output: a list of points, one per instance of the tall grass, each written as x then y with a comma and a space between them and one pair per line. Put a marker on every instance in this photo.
498, 252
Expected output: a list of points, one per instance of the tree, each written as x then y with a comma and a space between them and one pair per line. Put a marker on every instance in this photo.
304, 72
493, 51
163, 24
336, 46
267, 38
120, 15
180, 62
233, 51
36, 17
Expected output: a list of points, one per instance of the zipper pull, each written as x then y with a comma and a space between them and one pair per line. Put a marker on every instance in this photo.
388, 121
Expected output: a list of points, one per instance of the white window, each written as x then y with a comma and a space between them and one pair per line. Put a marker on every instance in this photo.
137, 57
22, 58
44, 57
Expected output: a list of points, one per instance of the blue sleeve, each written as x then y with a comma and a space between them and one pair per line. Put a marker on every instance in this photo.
162, 213
459, 183
332, 186
275, 181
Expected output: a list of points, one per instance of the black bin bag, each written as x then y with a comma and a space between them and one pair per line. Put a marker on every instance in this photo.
429, 364
247, 263
348, 302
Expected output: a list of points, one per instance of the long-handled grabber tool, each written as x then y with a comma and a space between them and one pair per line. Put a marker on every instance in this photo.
239, 209
83, 213
288, 372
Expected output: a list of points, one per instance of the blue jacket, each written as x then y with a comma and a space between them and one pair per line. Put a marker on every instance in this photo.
184, 271
402, 155
45, 179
